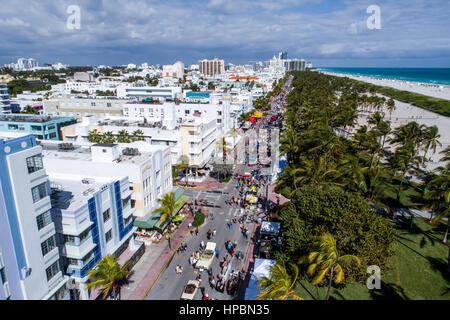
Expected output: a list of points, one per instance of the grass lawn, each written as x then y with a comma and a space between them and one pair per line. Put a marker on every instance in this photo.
416, 273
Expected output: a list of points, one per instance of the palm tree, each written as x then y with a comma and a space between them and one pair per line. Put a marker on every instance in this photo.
108, 137
138, 135
279, 285
168, 204
326, 261
390, 107
183, 165
233, 134
222, 144
106, 274
430, 140
94, 136
314, 173
123, 136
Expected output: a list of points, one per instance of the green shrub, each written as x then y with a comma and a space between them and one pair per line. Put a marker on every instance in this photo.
198, 220
358, 230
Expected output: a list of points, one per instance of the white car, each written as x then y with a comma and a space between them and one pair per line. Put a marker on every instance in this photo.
207, 256
190, 290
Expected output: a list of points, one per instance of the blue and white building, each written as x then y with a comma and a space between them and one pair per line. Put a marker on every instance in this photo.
5, 106
94, 218
42, 127
30, 265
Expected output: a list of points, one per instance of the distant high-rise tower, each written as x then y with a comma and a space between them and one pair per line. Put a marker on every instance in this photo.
5, 106
282, 55
211, 67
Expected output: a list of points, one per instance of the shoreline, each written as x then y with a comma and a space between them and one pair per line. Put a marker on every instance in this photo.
440, 91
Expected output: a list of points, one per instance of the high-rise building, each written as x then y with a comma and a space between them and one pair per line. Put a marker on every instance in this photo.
29, 256
173, 71
295, 64
5, 105
282, 55
212, 67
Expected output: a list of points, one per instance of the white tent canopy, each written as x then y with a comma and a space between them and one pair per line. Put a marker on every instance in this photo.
270, 228
261, 269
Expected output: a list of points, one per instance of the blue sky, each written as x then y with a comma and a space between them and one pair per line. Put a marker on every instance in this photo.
329, 33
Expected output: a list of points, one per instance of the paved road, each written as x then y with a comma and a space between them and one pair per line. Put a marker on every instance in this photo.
169, 285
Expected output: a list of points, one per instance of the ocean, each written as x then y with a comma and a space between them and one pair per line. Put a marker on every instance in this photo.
426, 75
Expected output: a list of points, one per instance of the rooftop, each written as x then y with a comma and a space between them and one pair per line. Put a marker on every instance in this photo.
32, 118
70, 192
82, 151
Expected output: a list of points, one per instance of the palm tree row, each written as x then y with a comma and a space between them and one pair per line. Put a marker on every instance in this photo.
324, 147
122, 136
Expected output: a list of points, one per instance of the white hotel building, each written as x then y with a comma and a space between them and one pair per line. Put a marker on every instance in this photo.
93, 218
147, 167
30, 263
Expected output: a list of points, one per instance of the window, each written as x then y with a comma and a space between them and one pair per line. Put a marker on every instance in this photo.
69, 239
92, 104
44, 219
36, 128
48, 245
51, 127
125, 109
87, 257
186, 112
85, 234
106, 215
128, 220
72, 262
3, 275
52, 270
219, 113
108, 104
52, 135
39, 192
34, 163
108, 235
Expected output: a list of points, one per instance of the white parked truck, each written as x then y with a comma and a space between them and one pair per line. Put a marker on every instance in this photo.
207, 256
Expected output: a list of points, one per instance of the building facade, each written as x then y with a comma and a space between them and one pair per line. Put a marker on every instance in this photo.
5, 106
29, 259
153, 93
42, 127
212, 67
80, 107
93, 218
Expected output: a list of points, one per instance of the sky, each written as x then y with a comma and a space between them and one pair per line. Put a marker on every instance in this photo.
328, 33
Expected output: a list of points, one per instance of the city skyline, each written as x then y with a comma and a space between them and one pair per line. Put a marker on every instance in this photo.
327, 33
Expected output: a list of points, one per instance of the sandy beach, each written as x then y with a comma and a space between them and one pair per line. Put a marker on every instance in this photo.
432, 90
405, 113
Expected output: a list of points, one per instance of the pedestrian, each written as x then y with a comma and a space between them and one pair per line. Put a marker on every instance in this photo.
247, 232
197, 255
214, 233
208, 234
192, 232
196, 232
217, 253
191, 259
199, 278
202, 244
190, 225
234, 244
229, 225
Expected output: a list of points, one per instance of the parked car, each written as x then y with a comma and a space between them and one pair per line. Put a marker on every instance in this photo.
190, 290
207, 256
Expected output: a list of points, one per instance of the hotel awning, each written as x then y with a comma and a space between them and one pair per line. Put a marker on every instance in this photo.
154, 220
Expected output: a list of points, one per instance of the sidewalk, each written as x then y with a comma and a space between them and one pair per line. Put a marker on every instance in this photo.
207, 184
157, 257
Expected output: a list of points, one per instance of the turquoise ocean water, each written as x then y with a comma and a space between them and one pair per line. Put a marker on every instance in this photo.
426, 75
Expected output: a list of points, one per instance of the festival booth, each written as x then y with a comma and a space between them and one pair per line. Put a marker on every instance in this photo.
260, 269
269, 235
